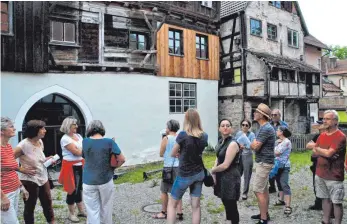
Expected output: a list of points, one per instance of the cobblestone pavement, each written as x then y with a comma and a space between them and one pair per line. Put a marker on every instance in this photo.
130, 200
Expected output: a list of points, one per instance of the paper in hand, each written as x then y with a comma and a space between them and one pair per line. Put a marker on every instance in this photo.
243, 140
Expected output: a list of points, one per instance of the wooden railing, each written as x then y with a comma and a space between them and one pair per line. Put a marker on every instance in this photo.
299, 141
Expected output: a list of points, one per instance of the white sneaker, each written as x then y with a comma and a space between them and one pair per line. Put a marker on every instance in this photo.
73, 218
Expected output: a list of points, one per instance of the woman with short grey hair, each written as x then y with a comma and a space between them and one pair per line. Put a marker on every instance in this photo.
72, 165
11, 186
98, 187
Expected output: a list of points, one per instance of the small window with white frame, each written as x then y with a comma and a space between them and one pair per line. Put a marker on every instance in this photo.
293, 38
182, 96
63, 32
6, 17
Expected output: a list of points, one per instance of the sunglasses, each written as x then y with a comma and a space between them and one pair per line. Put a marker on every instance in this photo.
274, 115
245, 125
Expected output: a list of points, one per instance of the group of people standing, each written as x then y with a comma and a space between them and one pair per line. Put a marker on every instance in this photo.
88, 165
234, 158
86, 175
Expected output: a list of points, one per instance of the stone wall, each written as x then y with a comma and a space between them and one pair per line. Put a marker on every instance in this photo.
230, 109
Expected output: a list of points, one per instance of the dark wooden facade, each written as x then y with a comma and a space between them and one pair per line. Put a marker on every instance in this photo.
26, 49
101, 41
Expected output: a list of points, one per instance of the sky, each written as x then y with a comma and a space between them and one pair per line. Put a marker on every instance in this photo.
326, 20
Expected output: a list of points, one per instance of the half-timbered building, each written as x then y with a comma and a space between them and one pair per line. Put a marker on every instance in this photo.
262, 60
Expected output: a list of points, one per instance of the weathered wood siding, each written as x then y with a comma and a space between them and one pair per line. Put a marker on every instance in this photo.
27, 49
187, 66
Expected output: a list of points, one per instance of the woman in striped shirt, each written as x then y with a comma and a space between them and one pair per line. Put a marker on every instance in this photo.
10, 183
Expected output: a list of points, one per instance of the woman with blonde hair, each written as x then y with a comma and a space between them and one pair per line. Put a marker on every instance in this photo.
72, 165
189, 146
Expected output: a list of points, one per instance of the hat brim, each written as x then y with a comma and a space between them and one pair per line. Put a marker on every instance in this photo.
263, 113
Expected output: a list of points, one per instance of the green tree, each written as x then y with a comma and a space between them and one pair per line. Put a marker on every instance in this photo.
338, 51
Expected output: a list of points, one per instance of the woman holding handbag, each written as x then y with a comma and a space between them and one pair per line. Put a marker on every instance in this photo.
226, 169
170, 169
102, 156
189, 146
283, 149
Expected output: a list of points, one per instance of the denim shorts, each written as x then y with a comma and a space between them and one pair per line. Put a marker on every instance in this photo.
182, 183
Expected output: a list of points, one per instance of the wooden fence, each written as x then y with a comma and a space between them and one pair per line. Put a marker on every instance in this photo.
299, 141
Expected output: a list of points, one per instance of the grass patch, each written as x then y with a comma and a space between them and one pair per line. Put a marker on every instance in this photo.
300, 159
59, 195
135, 175
58, 206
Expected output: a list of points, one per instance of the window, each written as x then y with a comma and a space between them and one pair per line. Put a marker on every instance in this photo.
256, 27
288, 75
6, 18
182, 96
201, 46
237, 75
302, 77
319, 63
293, 38
315, 79
277, 4
137, 41
207, 4
271, 31
274, 74
175, 42
63, 32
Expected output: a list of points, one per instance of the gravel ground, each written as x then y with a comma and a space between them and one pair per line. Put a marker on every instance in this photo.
130, 200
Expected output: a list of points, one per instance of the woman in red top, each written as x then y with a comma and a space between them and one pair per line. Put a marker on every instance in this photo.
10, 183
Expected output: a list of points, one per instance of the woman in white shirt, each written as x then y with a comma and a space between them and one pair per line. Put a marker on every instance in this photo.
72, 166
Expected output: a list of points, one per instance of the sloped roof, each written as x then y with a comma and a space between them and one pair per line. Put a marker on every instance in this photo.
329, 86
311, 40
341, 68
230, 7
284, 62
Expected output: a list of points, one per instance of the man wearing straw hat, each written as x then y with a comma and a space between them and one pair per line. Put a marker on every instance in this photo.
263, 146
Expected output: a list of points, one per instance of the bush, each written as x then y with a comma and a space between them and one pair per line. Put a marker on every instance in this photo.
209, 148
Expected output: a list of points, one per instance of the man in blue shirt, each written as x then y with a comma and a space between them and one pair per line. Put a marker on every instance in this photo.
275, 123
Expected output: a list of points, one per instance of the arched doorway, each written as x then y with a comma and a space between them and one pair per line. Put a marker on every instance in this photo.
53, 109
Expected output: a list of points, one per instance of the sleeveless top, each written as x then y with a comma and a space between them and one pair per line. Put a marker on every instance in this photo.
228, 181
170, 161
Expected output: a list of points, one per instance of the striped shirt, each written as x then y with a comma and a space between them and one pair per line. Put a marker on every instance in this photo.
9, 179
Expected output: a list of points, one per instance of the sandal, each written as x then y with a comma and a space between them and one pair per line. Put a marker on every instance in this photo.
279, 203
180, 216
288, 210
157, 216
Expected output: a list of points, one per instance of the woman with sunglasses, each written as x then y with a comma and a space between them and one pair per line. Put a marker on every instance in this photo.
246, 162
71, 170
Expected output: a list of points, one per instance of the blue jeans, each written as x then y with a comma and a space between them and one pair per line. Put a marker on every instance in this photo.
182, 183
